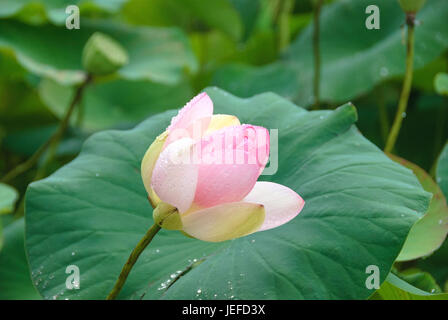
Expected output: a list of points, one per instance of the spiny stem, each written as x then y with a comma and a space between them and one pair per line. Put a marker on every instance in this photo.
316, 53
407, 83
54, 139
143, 243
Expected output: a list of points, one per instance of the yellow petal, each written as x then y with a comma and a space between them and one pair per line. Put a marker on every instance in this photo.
148, 163
224, 222
220, 121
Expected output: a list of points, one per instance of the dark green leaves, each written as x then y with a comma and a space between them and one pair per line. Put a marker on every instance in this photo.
441, 83
161, 55
354, 59
359, 207
54, 10
15, 279
397, 289
8, 197
115, 102
429, 232
442, 170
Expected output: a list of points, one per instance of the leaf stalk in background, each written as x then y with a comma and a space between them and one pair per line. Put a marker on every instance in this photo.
382, 110
284, 9
54, 139
316, 52
407, 83
143, 243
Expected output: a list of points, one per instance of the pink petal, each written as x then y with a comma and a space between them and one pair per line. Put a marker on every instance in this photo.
193, 117
230, 163
174, 177
281, 203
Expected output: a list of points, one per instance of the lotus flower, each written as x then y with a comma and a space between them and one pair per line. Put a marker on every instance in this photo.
205, 167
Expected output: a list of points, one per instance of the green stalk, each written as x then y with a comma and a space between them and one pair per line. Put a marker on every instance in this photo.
54, 139
382, 110
284, 10
143, 243
407, 83
316, 53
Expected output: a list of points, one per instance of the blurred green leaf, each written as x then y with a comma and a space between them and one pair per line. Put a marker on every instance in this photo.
441, 83
9, 68
8, 198
428, 233
249, 11
360, 205
423, 78
15, 279
161, 55
55, 10
442, 170
27, 141
436, 264
420, 279
113, 103
354, 59
395, 288
218, 14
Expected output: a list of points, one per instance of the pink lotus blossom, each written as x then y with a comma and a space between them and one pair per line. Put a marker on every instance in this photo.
207, 166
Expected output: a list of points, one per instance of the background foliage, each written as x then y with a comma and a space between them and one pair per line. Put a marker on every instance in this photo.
246, 47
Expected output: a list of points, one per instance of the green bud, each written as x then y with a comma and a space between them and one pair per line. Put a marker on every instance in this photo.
167, 216
411, 6
103, 55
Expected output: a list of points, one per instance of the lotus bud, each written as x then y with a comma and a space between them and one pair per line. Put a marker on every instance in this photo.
103, 55
411, 6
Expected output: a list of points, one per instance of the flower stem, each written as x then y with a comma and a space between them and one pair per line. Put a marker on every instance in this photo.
143, 243
316, 53
407, 83
54, 139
